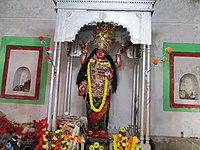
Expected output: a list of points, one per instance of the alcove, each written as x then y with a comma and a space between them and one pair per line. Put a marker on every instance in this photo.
22, 80
189, 87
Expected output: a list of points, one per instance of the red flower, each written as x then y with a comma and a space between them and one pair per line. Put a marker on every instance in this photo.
43, 121
58, 122
38, 147
40, 38
57, 148
2, 130
47, 48
47, 57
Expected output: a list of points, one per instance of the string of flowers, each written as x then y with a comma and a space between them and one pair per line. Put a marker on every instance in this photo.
90, 89
61, 139
163, 58
123, 142
48, 57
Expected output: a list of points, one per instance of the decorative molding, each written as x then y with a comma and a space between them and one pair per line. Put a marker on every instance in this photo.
106, 1
102, 16
121, 5
71, 18
74, 21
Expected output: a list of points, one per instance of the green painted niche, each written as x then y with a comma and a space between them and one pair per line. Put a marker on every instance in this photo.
13, 41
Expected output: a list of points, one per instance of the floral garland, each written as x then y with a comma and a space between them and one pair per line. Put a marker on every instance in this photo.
61, 140
90, 89
163, 58
119, 142
48, 57
123, 142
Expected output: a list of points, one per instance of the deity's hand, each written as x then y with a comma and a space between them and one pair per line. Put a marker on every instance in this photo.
83, 58
118, 56
109, 73
121, 50
84, 48
82, 89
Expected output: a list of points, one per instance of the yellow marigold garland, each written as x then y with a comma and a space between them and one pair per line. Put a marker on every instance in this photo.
90, 89
124, 143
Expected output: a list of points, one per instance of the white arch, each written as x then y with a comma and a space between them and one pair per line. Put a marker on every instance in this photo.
69, 23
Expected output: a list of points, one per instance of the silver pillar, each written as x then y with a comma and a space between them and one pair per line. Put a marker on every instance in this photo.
56, 87
70, 85
133, 104
139, 89
53, 71
143, 93
136, 93
66, 100
148, 85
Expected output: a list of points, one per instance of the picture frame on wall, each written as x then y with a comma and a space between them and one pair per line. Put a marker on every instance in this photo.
181, 77
22, 72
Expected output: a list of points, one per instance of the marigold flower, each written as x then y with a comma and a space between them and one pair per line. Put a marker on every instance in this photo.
168, 50
121, 148
90, 132
164, 58
122, 129
124, 144
91, 147
96, 145
64, 148
53, 145
47, 57
44, 146
101, 147
57, 131
40, 38
154, 60
45, 139
55, 138
62, 136
66, 125
135, 139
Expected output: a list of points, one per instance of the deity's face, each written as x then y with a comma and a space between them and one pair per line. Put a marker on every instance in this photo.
100, 54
